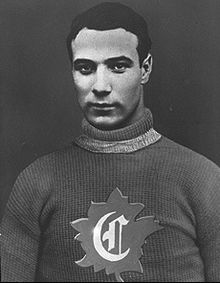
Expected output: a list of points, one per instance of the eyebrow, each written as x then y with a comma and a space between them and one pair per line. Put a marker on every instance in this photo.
116, 59
107, 61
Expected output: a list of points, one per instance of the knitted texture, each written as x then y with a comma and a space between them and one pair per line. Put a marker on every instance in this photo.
125, 140
132, 131
179, 187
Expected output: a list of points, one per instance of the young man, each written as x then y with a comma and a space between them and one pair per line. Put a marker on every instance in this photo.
122, 203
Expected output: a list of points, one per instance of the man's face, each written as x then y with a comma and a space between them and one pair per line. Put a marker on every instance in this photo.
107, 76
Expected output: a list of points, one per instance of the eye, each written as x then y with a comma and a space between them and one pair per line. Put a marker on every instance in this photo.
119, 67
84, 69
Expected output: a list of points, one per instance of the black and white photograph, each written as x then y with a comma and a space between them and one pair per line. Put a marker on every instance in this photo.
110, 140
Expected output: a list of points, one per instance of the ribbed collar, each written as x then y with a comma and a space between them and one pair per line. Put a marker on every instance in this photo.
128, 139
132, 131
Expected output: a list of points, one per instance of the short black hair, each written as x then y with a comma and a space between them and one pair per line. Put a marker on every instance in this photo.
108, 15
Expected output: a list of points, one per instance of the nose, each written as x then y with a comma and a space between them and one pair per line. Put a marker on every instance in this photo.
102, 86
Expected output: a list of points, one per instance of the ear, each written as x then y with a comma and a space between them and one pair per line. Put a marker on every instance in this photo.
146, 68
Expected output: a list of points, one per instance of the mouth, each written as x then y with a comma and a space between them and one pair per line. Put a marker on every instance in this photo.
102, 106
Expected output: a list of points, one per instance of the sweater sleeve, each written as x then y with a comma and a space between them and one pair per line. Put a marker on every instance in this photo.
20, 229
207, 208
19, 250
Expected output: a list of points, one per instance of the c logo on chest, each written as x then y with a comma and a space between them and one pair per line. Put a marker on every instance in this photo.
110, 236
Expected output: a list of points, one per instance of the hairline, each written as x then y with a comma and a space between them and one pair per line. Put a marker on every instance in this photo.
91, 29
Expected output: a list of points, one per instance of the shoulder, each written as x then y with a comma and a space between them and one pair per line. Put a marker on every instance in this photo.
38, 178
35, 185
180, 162
49, 164
179, 154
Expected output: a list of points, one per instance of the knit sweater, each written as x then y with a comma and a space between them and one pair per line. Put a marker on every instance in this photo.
177, 186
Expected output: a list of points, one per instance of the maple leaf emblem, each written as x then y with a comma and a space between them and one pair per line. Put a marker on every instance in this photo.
111, 237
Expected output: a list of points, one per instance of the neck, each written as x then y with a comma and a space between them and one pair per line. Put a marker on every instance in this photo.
127, 139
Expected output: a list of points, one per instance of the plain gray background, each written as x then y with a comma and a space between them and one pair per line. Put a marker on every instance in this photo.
39, 112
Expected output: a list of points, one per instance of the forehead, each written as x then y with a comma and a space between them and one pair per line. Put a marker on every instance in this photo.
103, 44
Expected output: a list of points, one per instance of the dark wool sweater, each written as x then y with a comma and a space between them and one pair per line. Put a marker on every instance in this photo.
176, 185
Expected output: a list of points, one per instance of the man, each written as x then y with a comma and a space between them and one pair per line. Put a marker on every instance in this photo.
122, 203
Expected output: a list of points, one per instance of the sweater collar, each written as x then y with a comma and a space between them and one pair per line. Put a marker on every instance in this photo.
128, 139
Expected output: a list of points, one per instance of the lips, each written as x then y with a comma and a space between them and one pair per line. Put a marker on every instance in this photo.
102, 106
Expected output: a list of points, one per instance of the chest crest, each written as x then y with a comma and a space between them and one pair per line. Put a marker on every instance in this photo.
112, 237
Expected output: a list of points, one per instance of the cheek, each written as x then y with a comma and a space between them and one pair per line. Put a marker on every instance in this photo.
128, 83
83, 84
